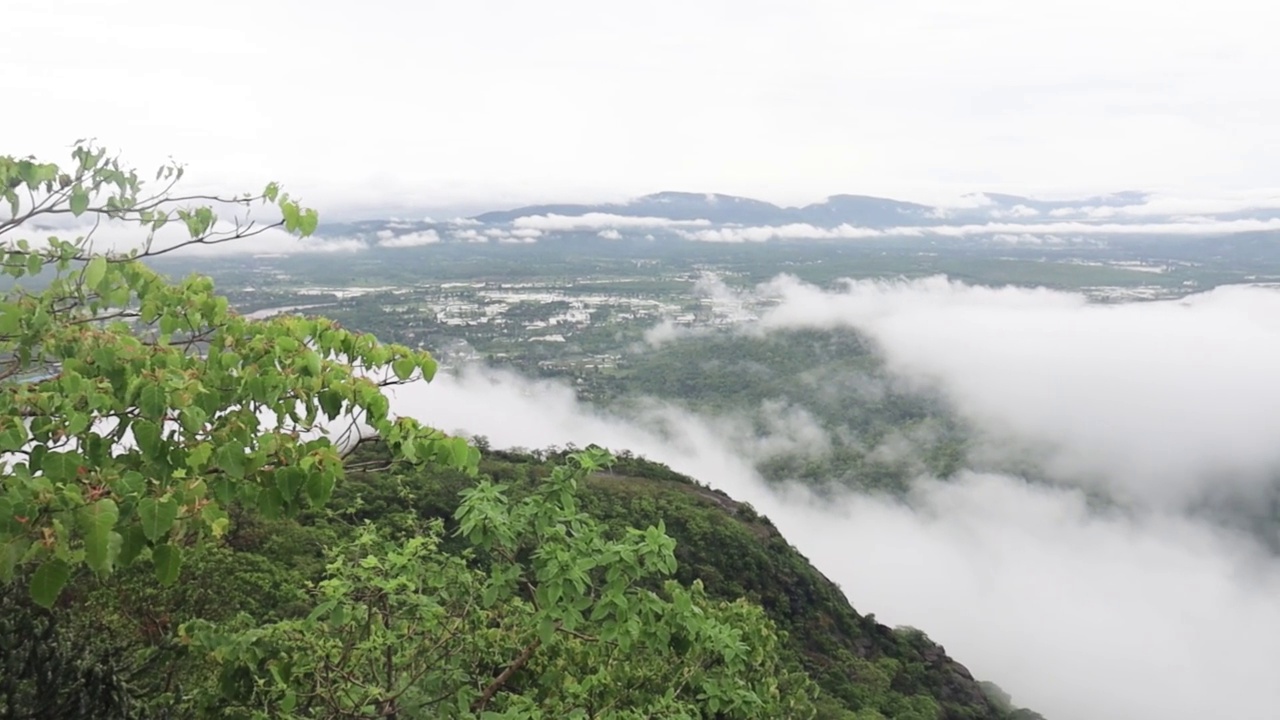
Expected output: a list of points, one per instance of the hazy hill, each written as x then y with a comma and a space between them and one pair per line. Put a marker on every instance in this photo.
725, 209
858, 210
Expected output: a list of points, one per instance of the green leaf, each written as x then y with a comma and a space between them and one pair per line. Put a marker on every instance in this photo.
168, 562
10, 318
321, 609
428, 368
308, 222
157, 517
546, 630
193, 419
312, 361
270, 503
133, 542
147, 434
331, 402
95, 271
199, 455
11, 553
290, 480
461, 453
231, 459
97, 521
319, 488
79, 200
130, 484
48, 580
152, 402
77, 424
60, 466
404, 368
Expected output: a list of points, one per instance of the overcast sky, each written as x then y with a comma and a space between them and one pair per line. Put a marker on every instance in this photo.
491, 102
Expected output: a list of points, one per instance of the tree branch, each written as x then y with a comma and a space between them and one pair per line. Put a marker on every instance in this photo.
521, 660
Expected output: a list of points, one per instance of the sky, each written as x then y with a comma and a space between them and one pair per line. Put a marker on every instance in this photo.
1155, 610
390, 104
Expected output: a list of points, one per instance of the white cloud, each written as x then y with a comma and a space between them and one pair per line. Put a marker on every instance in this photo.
1031, 239
469, 235
1203, 204
793, 231
665, 332
1017, 211
1081, 616
1164, 402
111, 236
414, 239
610, 234
802, 231
591, 221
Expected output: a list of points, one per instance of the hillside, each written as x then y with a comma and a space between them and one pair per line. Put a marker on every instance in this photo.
860, 664
108, 651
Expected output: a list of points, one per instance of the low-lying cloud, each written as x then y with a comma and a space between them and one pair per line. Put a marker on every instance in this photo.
113, 236
1167, 403
1080, 615
501, 235
599, 221
805, 231
388, 239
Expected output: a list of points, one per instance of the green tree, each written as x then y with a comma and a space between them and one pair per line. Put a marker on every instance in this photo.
135, 409
562, 621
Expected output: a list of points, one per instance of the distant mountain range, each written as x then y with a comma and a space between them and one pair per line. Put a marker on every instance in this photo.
859, 210
711, 217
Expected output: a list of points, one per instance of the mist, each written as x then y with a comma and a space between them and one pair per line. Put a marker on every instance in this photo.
1081, 613
1165, 403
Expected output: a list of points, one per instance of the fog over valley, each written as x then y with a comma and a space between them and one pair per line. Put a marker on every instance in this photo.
1157, 405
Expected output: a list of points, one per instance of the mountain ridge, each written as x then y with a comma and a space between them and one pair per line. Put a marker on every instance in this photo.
845, 208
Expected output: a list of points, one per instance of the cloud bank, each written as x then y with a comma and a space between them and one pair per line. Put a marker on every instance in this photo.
1080, 616
805, 231
598, 221
1082, 613
1168, 403
388, 239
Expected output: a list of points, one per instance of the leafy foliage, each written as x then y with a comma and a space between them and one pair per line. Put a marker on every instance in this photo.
863, 668
137, 409
560, 611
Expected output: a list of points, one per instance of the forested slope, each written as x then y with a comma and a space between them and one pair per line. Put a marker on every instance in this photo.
117, 638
